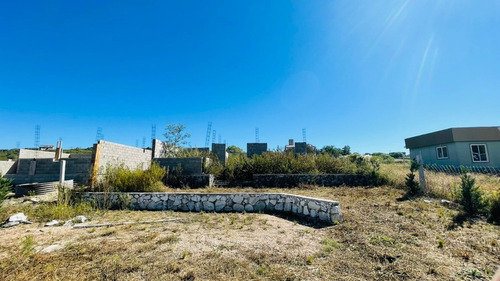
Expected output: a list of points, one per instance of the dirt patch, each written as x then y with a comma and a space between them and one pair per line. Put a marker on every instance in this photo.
380, 239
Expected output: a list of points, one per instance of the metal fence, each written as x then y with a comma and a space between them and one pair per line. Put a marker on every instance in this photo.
457, 170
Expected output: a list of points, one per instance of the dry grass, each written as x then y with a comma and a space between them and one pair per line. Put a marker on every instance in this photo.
440, 185
380, 239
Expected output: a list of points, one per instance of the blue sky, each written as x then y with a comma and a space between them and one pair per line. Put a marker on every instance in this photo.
362, 73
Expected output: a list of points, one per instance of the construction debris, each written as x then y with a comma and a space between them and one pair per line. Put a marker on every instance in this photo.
121, 223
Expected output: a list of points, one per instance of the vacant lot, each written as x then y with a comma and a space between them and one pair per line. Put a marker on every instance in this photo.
380, 239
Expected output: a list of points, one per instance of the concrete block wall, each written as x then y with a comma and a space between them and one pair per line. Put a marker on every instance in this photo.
294, 180
77, 169
114, 154
158, 150
318, 210
300, 148
38, 154
200, 149
219, 150
256, 149
8, 167
190, 166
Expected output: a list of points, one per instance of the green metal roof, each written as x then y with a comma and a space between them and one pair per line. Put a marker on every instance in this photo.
454, 135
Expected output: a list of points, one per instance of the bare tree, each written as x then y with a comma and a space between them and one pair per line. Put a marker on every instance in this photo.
175, 138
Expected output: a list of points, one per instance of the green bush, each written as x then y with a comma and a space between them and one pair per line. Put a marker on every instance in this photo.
412, 186
123, 179
469, 195
495, 208
239, 167
5, 188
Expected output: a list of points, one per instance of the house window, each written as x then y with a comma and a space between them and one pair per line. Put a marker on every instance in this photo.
479, 153
442, 152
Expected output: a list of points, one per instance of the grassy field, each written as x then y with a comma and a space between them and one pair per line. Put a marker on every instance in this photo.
381, 238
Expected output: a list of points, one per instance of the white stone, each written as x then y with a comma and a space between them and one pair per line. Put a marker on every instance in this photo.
79, 219
238, 208
155, 199
208, 206
279, 207
323, 216
197, 206
249, 208
313, 205
51, 248
18, 217
253, 200
260, 206
52, 223
313, 213
238, 199
288, 207
306, 211
219, 205
212, 198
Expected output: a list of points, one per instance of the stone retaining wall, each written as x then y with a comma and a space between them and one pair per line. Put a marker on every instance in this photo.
293, 180
319, 210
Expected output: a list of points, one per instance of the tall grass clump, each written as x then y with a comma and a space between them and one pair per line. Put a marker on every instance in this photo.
123, 179
67, 206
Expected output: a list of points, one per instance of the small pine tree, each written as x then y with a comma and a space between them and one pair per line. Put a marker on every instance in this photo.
470, 196
413, 188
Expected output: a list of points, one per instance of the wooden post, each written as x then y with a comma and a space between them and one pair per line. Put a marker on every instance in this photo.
421, 174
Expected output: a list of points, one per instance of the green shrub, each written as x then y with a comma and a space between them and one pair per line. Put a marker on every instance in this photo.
412, 186
5, 188
469, 195
239, 167
495, 208
123, 179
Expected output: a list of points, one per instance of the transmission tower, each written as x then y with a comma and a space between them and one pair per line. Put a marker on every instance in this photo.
209, 130
257, 139
143, 142
304, 139
136, 143
98, 135
37, 136
214, 136
153, 132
